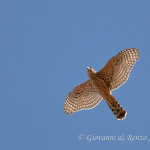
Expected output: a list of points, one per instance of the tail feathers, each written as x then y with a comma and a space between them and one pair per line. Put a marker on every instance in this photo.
116, 108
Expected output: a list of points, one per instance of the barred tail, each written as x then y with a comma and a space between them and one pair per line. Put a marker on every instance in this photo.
116, 108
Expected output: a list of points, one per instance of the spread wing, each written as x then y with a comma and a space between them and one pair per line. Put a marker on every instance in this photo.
84, 96
118, 68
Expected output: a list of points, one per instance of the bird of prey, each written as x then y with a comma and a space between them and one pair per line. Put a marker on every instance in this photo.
100, 84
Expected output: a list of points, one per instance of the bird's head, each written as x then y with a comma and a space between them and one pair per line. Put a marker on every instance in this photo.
90, 71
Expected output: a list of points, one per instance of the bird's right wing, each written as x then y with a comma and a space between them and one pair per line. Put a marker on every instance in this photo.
84, 96
118, 68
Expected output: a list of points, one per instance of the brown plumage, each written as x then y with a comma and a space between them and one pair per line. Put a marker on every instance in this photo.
100, 84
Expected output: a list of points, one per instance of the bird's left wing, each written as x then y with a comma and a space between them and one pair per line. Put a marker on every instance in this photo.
84, 96
117, 70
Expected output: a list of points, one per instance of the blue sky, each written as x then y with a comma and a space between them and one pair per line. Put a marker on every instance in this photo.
45, 47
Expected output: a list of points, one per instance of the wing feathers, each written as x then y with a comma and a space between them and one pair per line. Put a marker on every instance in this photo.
83, 96
118, 68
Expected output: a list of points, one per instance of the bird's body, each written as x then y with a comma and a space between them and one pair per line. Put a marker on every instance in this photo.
100, 84
103, 89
